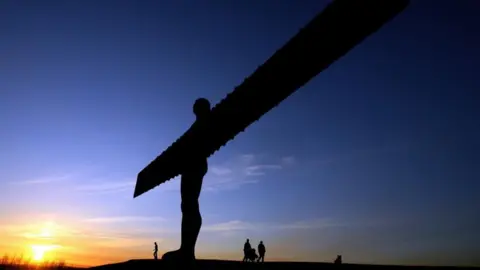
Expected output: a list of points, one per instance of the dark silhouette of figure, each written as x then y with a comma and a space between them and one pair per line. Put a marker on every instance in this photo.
252, 255
155, 251
261, 251
195, 167
246, 249
338, 260
278, 72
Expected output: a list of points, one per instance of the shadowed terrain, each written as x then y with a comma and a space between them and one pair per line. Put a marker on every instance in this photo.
225, 265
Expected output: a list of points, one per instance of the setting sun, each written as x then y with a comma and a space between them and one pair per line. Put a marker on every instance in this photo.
39, 251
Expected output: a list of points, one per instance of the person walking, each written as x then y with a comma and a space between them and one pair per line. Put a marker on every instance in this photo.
246, 250
155, 251
261, 252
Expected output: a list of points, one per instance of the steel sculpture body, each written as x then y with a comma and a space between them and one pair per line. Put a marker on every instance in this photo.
342, 25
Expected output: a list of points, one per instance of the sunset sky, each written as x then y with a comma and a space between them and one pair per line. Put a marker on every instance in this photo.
376, 159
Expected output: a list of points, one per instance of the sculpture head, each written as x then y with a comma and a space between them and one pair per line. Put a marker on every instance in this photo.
201, 107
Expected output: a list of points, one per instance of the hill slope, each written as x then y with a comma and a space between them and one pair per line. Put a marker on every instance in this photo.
233, 265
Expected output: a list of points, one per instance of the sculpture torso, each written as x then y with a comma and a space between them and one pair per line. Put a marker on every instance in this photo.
195, 159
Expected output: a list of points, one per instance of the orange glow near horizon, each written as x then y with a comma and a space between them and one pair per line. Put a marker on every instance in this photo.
82, 242
85, 242
72, 241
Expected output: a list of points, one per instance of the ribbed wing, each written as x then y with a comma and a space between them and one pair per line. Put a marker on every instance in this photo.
331, 34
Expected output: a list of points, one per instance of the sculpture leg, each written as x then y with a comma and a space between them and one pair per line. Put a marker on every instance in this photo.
190, 188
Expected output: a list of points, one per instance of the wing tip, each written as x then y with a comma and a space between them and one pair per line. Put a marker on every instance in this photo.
137, 191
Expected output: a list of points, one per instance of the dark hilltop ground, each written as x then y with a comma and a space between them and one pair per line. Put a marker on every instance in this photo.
233, 265
226, 265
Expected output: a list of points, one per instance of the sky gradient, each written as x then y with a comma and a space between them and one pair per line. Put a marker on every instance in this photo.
377, 158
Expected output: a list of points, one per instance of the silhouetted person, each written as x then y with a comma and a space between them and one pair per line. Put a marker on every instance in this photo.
261, 251
338, 260
155, 251
246, 250
194, 168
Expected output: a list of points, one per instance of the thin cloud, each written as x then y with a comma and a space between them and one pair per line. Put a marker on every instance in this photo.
248, 158
241, 170
44, 180
228, 184
256, 170
125, 242
361, 153
245, 169
312, 224
234, 225
107, 187
220, 171
123, 219
237, 225
289, 160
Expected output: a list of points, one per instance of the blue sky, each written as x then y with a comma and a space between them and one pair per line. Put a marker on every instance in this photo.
375, 159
